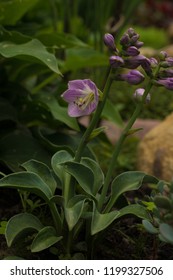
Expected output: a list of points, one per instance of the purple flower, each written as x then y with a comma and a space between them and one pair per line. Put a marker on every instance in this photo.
133, 77
146, 65
134, 61
116, 61
139, 44
167, 83
82, 96
166, 73
139, 94
109, 41
168, 62
132, 51
125, 40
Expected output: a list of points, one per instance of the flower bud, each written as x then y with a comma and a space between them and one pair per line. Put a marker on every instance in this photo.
134, 61
146, 65
134, 38
139, 94
166, 73
132, 51
138, 44
131, 32
125, 40
167, 83
109, 41
153, 62
116, 61
133, 77
163, 55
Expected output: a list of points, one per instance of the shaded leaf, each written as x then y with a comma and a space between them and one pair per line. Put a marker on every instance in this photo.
128, 181
149, 227
97, 172
12, 11
167, 232
45, 238
28, 181
110, 112
135, 209
21, 225
101, 221
43, 171
83, 175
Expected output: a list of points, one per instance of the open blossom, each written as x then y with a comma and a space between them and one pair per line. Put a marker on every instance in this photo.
82, 96
133, 77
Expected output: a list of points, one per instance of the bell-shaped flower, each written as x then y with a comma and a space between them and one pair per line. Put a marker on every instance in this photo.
133, 77
82, 97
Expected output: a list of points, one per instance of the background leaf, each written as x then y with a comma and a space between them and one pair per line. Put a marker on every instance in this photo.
32, 49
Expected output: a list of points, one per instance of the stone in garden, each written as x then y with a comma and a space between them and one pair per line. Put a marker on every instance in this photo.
155, 151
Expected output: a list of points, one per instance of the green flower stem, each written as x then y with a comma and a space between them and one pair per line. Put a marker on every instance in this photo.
117, 149
56, 217
94, 120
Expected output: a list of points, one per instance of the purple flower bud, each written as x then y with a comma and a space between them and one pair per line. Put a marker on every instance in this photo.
125, 40
116, 61
131, 32
163, 55
146, 65
132, 51
133, 77
109, 41
134, 61
167, 73
167, 83
138, 44
153, 62
139, 94
82, 96
134, 38
168, 62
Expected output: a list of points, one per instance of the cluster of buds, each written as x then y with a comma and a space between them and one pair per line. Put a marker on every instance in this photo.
129, 57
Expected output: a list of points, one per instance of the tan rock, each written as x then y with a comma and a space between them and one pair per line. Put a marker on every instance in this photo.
155, 151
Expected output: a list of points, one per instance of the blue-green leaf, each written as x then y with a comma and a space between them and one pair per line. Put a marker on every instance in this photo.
28, 181
167, 232
20, 225
44, 239
43, 171
128, 181
101, 221
97, 172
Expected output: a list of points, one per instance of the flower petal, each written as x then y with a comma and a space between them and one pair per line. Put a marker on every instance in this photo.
70, 95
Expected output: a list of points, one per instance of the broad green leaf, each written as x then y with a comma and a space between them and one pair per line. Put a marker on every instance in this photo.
57, 162
44, 239
101, 221
83, 175
18, 147
61, 40
162, 202
167, 232
3, 225
97, 172
28, 181
110, 112
59, 112
77, 58
21, 225
43, 171
128, 181
13, 10
135, 209
31, 49
149, 227
73, 212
